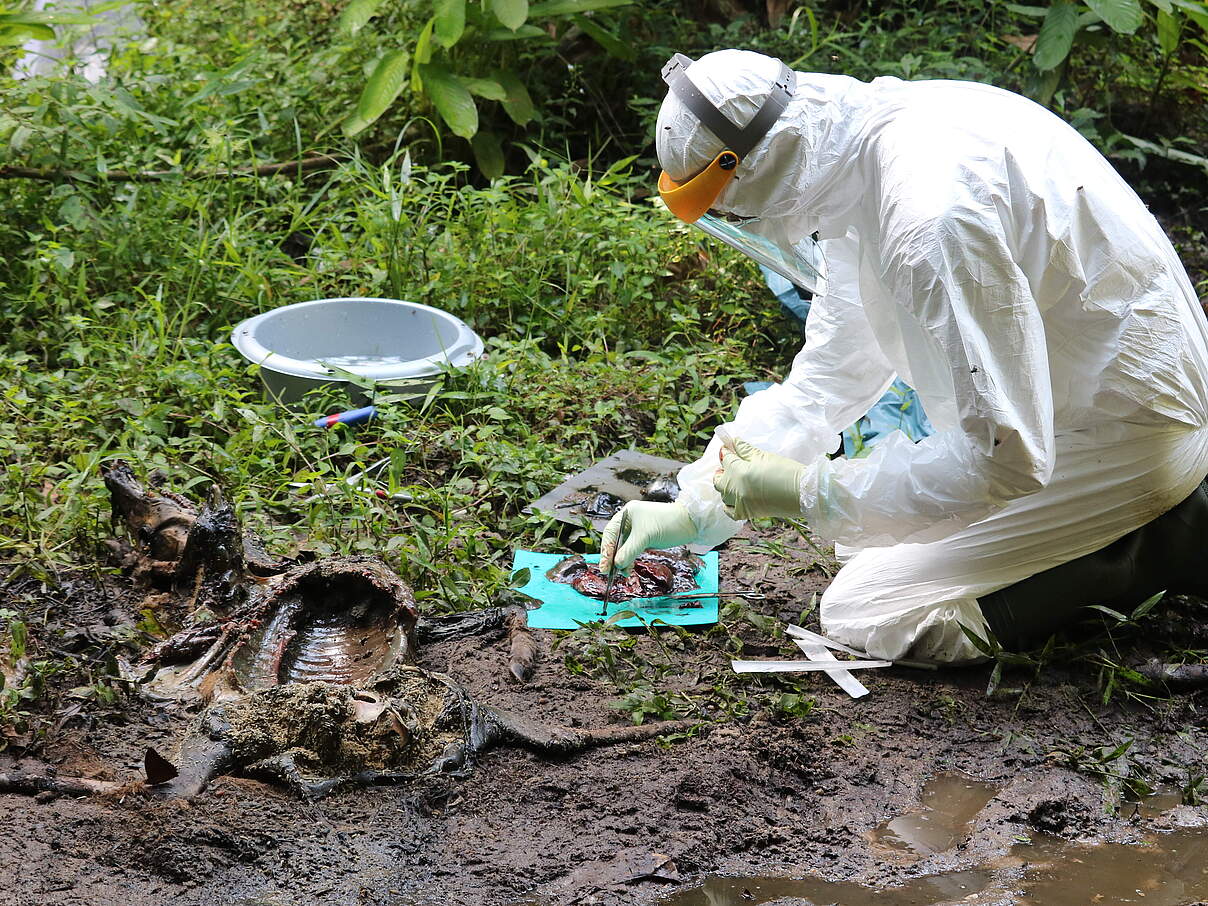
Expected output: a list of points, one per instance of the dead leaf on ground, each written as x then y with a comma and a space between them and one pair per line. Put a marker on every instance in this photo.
1023, 42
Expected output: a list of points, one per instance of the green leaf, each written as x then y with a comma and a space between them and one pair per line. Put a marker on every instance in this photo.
1015, 660
1104, 755
355, 15
488, 154
1147, 605
385, 83
1114, 614
618, 169
1032, 12
563, 7
512, 13
49, 17
450, 21
1056, 36
518, 105
423, 54
1183, 157
1123, 16
1168, 32
524, 31
1164, 5
1137, 679
606, 39
484, 88
995, 680
982, 645
451, 99
1196, 12
19, 32
17, 636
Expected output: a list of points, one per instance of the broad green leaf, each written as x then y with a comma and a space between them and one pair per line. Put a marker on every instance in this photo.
1123, 16
423, 44
355, 15
606, 39
484, 88
518, 105
385, 83
488, 154
1183, 157
32, 17
451, 99
1196, 12
1168, 31
450, 21
563, 7
512, 13
18, 33
423, 53
1164, 5
523, 32
1056, 36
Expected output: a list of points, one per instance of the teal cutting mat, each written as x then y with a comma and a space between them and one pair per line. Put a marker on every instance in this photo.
564, 608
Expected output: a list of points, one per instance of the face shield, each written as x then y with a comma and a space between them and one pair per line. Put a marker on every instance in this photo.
693, 200
800, 262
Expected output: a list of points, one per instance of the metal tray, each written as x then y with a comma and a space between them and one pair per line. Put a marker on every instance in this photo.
624, 474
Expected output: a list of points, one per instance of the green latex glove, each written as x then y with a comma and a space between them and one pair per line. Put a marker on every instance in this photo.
657, 525
754, 483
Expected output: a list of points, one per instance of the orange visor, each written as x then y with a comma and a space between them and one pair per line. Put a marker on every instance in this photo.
691, 199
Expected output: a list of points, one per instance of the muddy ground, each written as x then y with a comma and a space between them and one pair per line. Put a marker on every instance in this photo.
764, 793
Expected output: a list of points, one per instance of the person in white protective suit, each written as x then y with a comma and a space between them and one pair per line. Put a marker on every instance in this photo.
980, 248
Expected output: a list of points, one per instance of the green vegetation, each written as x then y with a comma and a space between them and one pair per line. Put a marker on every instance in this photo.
137, 235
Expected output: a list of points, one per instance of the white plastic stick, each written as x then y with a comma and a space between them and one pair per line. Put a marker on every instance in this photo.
801, 666
842, 678
798, 632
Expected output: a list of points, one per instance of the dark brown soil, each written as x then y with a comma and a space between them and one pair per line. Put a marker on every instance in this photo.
758, 794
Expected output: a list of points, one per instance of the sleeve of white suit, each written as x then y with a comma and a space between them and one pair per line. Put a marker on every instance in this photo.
978, 316
838, 374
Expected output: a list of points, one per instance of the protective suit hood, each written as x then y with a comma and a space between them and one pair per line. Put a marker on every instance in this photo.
803, 176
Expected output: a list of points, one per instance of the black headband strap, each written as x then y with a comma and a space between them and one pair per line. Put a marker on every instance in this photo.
740, 141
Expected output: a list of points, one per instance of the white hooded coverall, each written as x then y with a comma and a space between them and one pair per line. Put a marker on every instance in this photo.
981, 249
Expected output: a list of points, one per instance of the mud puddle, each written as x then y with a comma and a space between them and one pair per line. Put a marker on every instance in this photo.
1168, 869
950, 802
947, 888
1157, 803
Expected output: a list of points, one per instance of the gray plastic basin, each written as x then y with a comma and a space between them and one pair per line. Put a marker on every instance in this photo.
402, 345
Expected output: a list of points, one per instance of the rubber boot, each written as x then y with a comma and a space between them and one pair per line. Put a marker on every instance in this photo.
1165, 554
